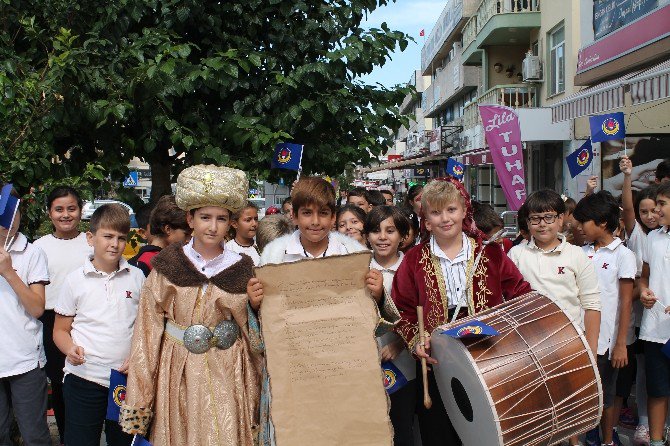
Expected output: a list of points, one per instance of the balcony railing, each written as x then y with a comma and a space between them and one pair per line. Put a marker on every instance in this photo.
514, 96
489, 8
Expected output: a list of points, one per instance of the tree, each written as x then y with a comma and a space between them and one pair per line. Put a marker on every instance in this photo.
179, 82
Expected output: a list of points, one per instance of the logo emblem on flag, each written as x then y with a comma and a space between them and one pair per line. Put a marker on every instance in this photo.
394, 379
469, 330
583, 158
458, 170
610, 126
119, 394
284, 155
389, 379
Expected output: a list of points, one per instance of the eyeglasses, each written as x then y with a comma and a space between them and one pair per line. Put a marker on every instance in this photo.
548, 219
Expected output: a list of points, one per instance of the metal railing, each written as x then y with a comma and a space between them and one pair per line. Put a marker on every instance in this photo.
489, 8
515, 96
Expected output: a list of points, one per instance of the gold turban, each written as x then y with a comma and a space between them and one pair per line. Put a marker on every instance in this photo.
209, 185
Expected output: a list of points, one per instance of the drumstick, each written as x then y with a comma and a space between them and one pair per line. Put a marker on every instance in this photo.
427, 403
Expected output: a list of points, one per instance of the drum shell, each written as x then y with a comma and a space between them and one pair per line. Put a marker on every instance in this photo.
538, 377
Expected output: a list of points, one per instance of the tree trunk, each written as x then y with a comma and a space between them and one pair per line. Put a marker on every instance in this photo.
161, 173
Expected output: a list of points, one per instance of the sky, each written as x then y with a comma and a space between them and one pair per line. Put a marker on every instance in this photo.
410, 17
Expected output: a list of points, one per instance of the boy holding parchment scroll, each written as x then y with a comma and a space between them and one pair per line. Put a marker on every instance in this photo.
454, 269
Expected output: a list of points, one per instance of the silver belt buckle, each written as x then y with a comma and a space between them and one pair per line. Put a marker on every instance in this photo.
198, 339
226, 333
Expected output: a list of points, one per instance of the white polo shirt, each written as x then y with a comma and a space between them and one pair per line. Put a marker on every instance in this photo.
251, 251
295, 251
63, 256
655, 323
612, 263
104, 307
564, 273
21, 348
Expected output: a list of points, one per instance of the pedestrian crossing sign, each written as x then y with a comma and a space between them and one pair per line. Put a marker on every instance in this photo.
131, 180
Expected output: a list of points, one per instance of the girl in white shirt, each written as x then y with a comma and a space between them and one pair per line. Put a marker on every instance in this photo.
243, 226
639, 216
386, 228
66, 249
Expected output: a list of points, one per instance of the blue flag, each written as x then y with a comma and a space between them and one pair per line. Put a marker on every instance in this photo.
117, 394
666, 349
580, 159
394, 379
471, 329
606, 127
455, 169
287, 156
8, 206
139, 440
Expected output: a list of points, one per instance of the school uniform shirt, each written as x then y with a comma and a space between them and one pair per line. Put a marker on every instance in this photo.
289, 248
637, 242
251, 251
655, 323
104, 307
564, 274
612, 263
63, 257
21, 348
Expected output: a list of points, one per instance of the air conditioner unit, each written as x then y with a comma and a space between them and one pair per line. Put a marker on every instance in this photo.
532, 69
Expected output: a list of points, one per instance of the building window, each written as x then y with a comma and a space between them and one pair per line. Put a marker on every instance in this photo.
557, 60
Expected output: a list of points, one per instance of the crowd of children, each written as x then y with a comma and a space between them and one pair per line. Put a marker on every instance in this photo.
181, 318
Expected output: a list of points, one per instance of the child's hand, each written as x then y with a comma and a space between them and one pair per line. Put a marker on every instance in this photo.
619, 357
124, 367
75, 355
5, 262
255, 293
591, 185
626, 165
647, 298
391, 350
375, 283
423, 351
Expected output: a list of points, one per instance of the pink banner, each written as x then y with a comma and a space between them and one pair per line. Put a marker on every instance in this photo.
501, 127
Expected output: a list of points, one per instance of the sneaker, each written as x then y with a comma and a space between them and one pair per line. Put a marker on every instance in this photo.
592, 437
627, 418
641, 437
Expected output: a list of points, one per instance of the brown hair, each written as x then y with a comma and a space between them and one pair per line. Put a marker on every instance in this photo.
111, 216
439, 194
236, 216
271, 227
167, 213
313, 191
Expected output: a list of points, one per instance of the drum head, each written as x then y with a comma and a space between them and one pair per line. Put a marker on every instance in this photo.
464, 393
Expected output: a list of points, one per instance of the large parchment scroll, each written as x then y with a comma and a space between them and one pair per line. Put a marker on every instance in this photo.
318, 325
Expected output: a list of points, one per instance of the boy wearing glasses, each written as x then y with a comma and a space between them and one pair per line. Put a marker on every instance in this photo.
557, 268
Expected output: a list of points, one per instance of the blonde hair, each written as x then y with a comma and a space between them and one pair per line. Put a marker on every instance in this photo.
271, 227
439, 194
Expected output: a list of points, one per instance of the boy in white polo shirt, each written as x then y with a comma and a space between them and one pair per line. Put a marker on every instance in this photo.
23, 275
655, 328
557, 268
95, 315
598, 217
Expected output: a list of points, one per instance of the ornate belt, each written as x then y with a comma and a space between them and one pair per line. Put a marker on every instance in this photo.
199, 339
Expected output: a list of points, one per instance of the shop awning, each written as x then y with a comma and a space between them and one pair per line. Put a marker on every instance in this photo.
405, 163
652, 84
592, 100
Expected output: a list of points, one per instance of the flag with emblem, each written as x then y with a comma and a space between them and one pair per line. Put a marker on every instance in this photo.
579, 160
471, 329
287, 156
455, 169
117, 394
394, 379
606, 127
8, 206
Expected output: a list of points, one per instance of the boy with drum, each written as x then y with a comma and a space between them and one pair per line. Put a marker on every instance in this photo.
453, 269
557, 268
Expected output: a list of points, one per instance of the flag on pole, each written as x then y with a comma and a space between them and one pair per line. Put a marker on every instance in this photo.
422, 33
606, 127
455, 169
8, 206
288, 156
394, 379
117, 394
579, 160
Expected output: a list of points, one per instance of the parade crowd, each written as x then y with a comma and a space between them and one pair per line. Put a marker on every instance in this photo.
182, 317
